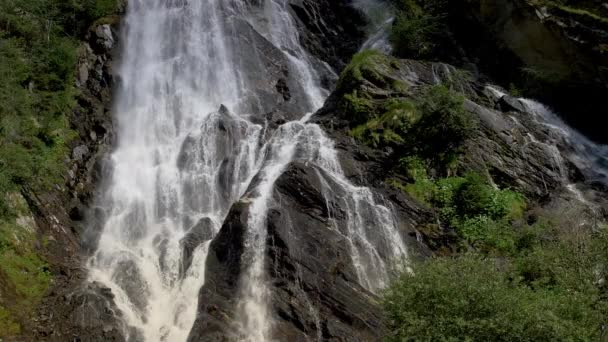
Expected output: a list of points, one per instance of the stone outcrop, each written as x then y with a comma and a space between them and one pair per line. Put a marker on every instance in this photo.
72, 310
315, 293
331, 30
557, 52
314, 290
518, 144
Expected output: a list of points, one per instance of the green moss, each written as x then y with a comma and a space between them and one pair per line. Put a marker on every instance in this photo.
362, 66
390, 128
8, 327
25, 274
358, 106
433, 125
28, 273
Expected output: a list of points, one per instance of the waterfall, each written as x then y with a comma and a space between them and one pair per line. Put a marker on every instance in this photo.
193, 140
591, 158
381, 15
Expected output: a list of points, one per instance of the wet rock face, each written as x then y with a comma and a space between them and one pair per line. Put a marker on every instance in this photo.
70, 311
332, 30
85, 314
272, 85
222, 272
561, 51
315, 290
315, 293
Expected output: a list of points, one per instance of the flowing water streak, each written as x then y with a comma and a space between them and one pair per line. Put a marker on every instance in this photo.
309, 141
381, 16
175, 72
590, 157
180, 164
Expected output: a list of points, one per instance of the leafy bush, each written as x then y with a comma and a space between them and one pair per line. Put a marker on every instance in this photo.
38, 55
444, 124
417, 27
477, 198
391, 127
479, 212
472, 298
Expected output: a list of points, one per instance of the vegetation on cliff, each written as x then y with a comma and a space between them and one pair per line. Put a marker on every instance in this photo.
419, 28
504, 273
38, 55
552, 50
547, 291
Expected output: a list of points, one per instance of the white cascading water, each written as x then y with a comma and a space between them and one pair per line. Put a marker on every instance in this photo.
590, 157
180, 163
381, 16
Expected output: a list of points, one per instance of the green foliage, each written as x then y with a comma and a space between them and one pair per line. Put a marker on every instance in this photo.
363, 66
479, 212
391, 127
433, 126
8, 326
417, 26
38, 55
477, 198
25, 276
360, 107
444, 124
471, 298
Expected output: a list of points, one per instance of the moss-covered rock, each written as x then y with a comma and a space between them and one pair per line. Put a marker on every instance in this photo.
24, 272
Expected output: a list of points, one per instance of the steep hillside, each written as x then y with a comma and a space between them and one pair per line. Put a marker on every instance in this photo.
515, 207
551, 50
242, 171
54, 98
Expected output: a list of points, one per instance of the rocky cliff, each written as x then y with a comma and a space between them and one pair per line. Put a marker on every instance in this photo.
72, 309
315, 290
314, 287
550, 51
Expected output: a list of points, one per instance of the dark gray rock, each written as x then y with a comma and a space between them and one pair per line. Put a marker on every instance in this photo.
332, 30
86, 314
315, 292
72, 311
201, 232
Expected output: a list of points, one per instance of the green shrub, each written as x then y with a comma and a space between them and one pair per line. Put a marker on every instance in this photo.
475, 197
38, 55
417, 27
480, 213
391, 127
362, 66
444, 124
469, 298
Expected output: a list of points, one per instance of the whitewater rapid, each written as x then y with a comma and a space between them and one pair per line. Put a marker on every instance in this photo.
190, 144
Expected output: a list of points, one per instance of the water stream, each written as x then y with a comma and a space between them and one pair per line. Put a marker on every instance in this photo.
192, 137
